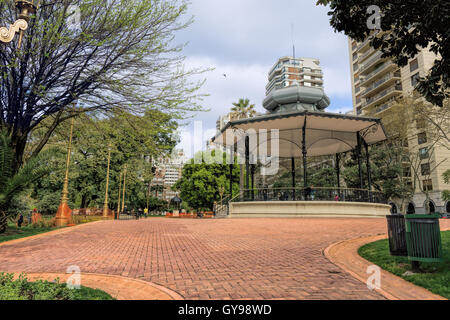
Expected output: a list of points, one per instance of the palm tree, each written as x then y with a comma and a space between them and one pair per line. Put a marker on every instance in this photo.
242, 109
12, 184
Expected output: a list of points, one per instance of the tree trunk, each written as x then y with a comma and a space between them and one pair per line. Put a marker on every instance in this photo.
3, 221
18, 144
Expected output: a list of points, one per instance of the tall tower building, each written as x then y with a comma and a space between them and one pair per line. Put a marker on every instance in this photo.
289, 71
376, 84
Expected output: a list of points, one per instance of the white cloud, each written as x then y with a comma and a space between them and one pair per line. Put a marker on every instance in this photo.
243, 39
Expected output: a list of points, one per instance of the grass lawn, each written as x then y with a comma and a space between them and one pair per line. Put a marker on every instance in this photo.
13, 232
435, 276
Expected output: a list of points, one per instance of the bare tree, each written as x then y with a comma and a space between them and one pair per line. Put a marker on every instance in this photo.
122, 56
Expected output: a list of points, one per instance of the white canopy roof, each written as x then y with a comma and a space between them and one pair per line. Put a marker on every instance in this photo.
326, 133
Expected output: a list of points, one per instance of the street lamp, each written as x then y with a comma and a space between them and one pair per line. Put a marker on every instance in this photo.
25, 8
64, 213
105, 205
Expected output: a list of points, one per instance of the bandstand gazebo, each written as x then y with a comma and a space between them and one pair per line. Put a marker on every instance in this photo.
296, 126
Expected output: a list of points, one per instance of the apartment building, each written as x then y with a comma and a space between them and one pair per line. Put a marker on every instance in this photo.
168, 172
223, 120
288, 71
377, 83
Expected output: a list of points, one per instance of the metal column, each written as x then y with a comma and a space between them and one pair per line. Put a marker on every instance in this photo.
369, 171
293, 177
358, 150
247, 162
304, 153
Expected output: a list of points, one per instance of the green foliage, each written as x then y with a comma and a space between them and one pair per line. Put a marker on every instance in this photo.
14, 183
411, 25
388, 174
124, 58
201, 183
446, 193
22, 289
243, 109
134, 140
435, 276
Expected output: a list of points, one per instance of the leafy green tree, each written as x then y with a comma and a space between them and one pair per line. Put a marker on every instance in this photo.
409, 26
242, 110
201, 183
13, 183
446, 193
134, 140
124, 58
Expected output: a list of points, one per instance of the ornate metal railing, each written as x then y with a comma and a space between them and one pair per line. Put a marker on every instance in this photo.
311, 194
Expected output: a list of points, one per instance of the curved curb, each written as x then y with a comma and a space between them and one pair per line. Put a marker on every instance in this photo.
118, 287
345, 255
48, 233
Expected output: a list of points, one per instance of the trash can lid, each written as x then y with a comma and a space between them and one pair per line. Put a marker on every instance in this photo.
422, 216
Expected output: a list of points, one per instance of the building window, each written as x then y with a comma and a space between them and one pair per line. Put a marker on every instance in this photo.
355, 66
415, 79
358, 99
421, 138
406, 172
420, 123
357, 88
423, 153
427, 185
355, 56
425, 169
413, 65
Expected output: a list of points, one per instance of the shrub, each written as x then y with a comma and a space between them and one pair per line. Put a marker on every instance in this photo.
22, 289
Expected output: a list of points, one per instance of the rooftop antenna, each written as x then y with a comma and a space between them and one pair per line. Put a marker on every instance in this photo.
292, 38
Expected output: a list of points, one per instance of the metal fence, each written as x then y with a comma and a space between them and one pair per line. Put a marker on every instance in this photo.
311, 194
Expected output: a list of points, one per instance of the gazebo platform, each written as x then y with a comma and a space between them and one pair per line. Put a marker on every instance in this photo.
298, 209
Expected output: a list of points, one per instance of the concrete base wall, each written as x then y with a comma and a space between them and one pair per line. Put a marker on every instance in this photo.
307, 209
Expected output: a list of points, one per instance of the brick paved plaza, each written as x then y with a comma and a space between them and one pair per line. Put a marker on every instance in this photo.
207, 259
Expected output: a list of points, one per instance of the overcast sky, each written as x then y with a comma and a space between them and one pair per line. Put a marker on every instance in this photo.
244, 38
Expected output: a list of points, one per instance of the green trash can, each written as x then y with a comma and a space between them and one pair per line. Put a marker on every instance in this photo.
423, 237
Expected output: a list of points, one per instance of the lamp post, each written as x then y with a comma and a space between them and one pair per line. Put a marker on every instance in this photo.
64, 213
105, 205
124, 184
120, 189
25, 8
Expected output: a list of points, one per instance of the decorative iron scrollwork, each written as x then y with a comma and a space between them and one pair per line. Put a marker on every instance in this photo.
369, 130
7, 35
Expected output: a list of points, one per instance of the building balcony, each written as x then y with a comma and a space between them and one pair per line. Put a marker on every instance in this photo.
378, 72
365, 55
366, 67
383, 96
319, 81
383, 107
380, 84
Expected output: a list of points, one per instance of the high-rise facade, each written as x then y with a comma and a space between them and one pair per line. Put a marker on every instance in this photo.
289, 71
376, 84
168, 172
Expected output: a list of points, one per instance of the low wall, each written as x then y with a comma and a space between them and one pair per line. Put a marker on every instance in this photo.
307, 209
